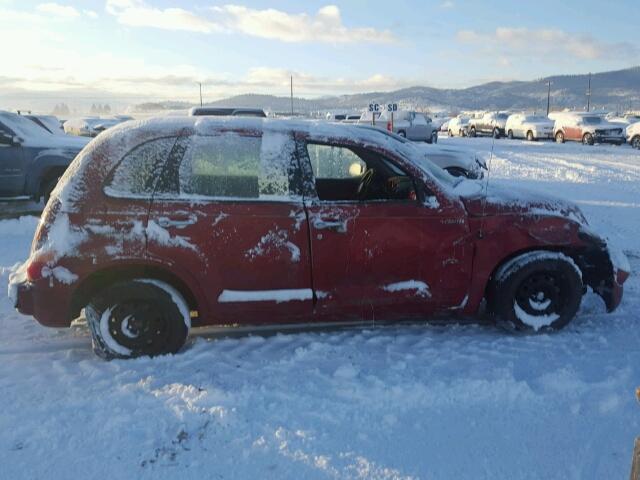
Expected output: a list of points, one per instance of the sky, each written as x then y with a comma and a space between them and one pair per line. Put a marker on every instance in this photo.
148, 50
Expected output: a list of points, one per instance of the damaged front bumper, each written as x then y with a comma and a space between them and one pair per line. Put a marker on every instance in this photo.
605, 268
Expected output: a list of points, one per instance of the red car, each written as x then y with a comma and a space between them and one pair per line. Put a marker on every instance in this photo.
167, 224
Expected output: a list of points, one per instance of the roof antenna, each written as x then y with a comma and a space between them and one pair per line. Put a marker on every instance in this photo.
486, 190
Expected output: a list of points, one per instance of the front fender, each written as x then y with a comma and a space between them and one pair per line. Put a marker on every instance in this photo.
42, 163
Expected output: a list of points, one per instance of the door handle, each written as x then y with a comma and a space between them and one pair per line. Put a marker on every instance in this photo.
339, 226
178, 223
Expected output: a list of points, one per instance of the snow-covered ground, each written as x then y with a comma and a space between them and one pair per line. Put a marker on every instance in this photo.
437, 402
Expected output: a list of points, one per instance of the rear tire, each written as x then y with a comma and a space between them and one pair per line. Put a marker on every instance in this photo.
138, 318
510, 134
538, 290
530, 136
496, 133
472, 132
635, 142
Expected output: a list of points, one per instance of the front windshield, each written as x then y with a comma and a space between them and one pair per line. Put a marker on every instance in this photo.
415, 154
502, 116
592, 120
22, 127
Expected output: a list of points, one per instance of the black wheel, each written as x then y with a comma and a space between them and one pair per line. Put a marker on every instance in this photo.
48, 188
559, 136
530, 136
587, 139
457, 172
510, 134
496, 133
434, 137
450, 133
635, 142
472, 132
138, 318
538, 290
402, 134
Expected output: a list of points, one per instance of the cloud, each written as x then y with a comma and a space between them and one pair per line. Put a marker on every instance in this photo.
447, 4
325, 26
137, 13
544, 43
57, 10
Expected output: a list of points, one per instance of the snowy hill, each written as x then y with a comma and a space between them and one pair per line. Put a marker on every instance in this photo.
610, 90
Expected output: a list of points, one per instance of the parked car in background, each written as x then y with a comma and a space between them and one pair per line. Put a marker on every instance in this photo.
89, 126
412, 125
626, 119
458, 127
366, 117
31, 158
633, 135
587, 128
49, 122
491, 123
227, 112
531, 127
457, 163
169, 224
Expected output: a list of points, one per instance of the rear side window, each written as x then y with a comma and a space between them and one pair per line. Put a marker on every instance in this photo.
237, 166
139, 170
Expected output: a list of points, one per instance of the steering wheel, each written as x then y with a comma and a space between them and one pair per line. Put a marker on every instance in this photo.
365, 183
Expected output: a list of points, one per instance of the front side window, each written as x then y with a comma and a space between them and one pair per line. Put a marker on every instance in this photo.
592, 120
351, 174
139, 171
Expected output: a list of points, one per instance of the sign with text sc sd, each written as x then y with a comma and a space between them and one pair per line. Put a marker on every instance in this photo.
390, 107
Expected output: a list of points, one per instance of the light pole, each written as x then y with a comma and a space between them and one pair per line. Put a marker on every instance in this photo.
548, 96
589, 94
200, 83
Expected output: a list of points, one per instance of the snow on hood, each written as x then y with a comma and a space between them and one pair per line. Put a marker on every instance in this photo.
503, 200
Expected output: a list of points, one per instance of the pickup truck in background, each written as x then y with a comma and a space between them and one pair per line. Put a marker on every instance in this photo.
491, 123
32, 159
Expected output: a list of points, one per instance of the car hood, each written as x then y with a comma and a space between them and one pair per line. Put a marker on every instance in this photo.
504, 200
604, 126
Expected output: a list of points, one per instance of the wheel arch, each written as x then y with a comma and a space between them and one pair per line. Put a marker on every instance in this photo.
111, 275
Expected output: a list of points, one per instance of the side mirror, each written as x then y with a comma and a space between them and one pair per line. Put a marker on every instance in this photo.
6, 139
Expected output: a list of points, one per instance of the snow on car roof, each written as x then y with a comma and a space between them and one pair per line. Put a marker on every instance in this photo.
36, 136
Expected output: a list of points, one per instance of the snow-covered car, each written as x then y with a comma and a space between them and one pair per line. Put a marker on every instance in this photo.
458, 126
531, 127
31, 158
456, 162
625, 119
491, 123
414, 126
633, 135
227, 112
89, 126
174, 223
587, 128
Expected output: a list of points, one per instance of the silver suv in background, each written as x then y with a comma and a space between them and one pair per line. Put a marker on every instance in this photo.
226, 112
410, 125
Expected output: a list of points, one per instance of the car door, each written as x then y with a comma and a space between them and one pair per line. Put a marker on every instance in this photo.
238, 227
12, 165
573, 130
379, 256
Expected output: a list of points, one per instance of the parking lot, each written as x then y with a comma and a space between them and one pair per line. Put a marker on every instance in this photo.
434, 401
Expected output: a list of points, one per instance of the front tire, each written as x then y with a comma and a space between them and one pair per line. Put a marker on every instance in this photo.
530, 136
587, 139
538, 290
510, 135
635, 142
450, 133
496, 133
559, 137
138, 318
472, 132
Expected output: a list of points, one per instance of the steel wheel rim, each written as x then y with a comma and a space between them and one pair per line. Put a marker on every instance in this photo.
541, 294
138, 326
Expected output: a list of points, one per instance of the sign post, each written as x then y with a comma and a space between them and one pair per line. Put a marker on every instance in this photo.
392, 107
374, 108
